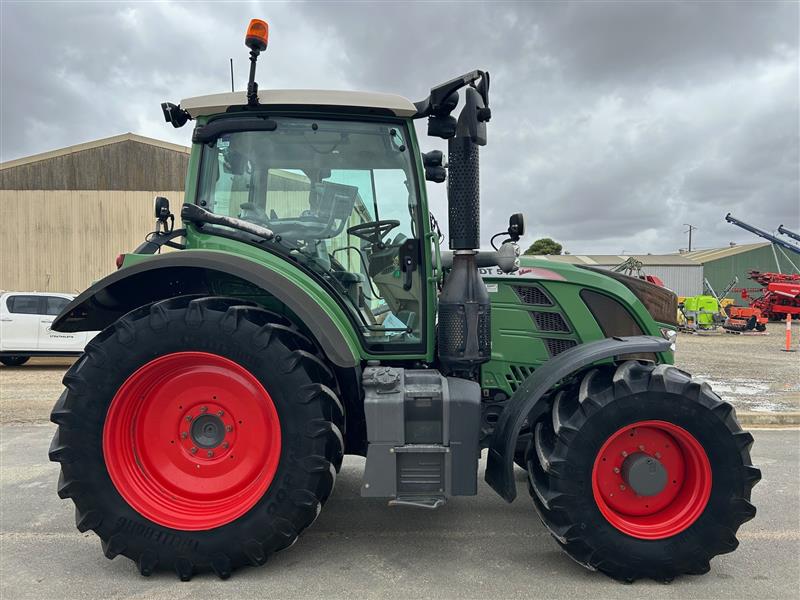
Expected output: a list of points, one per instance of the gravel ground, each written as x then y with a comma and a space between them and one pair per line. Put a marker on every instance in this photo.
477, 547
749, 371
474, 547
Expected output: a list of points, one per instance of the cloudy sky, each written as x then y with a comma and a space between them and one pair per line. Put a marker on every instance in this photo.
614, 123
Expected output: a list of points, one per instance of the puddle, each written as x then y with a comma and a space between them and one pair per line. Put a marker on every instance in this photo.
746, 394
738, 386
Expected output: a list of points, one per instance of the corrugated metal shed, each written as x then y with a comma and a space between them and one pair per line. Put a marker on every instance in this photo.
69, 212
721, 265
681, 275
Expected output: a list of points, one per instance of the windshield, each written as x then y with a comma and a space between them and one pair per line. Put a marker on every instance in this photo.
341, 197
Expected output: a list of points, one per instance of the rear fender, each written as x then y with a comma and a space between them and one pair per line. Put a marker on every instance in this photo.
526, 401
181, 273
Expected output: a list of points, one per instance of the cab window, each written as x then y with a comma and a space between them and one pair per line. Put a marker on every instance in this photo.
340, 196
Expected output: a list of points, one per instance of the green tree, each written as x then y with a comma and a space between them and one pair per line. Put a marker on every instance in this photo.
544, 246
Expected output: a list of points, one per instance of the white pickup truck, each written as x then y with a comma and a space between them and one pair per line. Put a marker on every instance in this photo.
25, 319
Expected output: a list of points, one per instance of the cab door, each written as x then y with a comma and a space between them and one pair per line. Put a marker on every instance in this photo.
19, 322
56, 341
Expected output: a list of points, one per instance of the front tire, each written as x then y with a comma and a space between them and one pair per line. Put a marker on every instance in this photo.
692, 490
14, 361
198, 434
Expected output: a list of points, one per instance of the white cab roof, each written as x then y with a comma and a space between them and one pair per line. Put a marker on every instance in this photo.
219, 103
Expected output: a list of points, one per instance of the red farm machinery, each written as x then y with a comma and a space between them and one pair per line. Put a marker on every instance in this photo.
779, 292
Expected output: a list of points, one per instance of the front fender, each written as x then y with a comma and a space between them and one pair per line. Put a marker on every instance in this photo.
526, 400
180, 273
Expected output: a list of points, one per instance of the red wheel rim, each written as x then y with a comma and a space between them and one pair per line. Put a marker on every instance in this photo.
192, 440
677, 505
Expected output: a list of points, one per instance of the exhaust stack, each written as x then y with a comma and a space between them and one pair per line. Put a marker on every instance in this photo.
464, 332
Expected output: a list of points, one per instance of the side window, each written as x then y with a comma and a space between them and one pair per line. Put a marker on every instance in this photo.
54, 305
24, 305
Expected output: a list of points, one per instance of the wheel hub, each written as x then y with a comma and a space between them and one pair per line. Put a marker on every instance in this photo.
645, 474
208, 431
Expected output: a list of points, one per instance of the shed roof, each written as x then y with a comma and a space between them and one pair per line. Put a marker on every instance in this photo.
122, 162
712, 254
610, 260
123, 137
219, 103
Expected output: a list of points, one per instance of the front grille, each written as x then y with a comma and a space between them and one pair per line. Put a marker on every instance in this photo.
530, 294
556, 346
485, 333
516, 375
550, 321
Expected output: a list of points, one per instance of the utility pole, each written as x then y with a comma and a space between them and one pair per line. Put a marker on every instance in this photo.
232, 75
689, 231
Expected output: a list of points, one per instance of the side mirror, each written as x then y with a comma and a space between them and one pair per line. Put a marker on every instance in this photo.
516, 226
165, 220
435, 164
161, 207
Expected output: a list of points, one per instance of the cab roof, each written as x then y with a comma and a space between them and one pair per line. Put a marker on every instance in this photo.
370, 101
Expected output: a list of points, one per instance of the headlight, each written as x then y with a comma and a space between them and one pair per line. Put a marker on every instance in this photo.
671, 335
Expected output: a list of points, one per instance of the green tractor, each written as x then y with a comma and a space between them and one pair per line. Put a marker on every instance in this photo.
306, 312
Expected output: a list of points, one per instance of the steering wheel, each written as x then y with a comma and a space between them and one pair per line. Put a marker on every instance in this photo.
373, 231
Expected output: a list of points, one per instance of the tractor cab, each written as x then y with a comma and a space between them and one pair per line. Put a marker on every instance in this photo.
340, 195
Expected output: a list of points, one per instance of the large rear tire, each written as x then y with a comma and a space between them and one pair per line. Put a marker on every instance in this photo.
197, 434
692, 490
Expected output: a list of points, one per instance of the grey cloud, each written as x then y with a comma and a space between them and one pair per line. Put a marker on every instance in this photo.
614, 122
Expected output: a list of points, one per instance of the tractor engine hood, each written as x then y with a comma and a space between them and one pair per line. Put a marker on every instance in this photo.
660, 302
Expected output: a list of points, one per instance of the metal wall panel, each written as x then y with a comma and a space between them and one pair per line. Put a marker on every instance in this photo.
62, 241
720, 272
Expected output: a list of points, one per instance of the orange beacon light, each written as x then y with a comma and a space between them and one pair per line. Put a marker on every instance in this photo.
257, 35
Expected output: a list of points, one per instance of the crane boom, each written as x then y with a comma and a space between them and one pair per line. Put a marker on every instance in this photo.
761, 233
782, 230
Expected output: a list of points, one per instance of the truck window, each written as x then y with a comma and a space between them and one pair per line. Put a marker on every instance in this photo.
54, 305
25, 305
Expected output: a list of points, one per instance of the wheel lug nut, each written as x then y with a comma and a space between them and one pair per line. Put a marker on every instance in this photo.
184, 435
624, 453
658, 454
210, 453
189, 418
616, 469
220, 413
641, 447
225, 445
622, 487
229, 428
203, 409
193, 450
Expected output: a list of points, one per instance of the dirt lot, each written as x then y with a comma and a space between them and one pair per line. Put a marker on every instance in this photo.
750, 371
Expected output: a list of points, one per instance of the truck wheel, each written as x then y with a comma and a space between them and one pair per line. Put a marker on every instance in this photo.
641, 471
14, 361
196, 434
